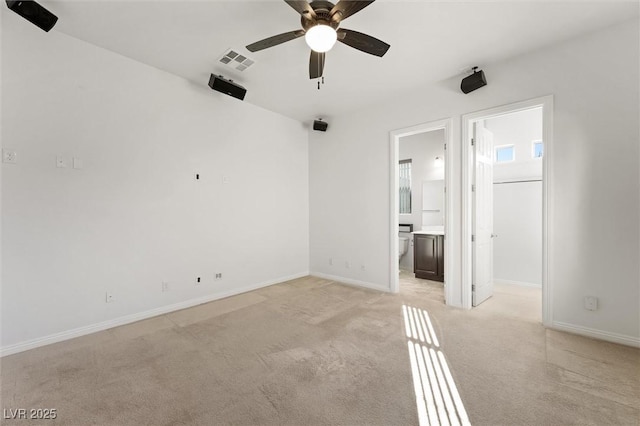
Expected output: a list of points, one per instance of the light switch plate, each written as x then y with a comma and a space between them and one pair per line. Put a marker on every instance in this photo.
77, 163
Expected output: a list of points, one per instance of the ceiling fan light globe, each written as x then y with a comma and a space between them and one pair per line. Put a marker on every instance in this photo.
321, 38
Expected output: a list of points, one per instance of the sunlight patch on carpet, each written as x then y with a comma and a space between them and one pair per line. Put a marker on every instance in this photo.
437, 398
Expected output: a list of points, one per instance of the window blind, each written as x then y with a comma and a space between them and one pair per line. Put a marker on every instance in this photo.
405, 187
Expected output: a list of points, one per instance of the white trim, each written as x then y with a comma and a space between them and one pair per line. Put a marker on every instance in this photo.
128, 319
527, 179
547, 209
621, 339
350, 282
394, 140
546, 102
517, 283
466, 229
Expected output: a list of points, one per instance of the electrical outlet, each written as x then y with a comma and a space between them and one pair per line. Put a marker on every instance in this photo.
165, 286
198, 280
61, 163
9, 157
218, 276
109, 297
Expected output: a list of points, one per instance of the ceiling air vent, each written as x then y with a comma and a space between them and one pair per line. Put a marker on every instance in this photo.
233, 59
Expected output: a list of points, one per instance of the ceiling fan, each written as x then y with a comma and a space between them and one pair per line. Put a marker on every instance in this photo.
320, 21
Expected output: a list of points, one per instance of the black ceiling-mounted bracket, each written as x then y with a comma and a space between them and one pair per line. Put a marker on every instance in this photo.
474, 81
320, 125
34, 13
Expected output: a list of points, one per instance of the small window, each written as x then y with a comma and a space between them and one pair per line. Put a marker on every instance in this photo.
405, 187
538, 149
505, 153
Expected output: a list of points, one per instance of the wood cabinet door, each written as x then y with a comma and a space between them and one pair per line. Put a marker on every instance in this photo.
440, 256
425, 256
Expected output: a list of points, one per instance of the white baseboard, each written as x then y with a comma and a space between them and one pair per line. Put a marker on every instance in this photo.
518, 283
128, 319
597, 334
349, 281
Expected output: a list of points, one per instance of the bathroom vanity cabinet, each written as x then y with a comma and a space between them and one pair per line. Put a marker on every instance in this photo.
428, 256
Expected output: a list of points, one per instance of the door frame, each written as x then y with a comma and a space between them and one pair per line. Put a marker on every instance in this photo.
394, 143
546, 102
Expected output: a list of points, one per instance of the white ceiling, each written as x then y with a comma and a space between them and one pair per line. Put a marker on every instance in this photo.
430, 41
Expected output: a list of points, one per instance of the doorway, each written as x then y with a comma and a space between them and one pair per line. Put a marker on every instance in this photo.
499, 159
439, 174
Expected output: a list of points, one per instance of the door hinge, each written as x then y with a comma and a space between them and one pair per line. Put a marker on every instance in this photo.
473, 287
473, 187
445, 146
473, 141
473, 238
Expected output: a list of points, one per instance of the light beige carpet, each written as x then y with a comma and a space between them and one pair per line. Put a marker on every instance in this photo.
315, 352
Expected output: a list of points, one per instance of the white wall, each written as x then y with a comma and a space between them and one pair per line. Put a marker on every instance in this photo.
519, 129
594, 80
517, 221
517, 206
135, 216
422, 149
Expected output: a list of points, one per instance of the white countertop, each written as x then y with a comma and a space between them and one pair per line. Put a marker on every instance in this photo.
428, 232
431, 230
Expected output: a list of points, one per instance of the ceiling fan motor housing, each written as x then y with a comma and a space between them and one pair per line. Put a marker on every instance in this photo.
322, 9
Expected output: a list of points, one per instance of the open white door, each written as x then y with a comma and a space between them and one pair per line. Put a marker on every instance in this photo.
482, 284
